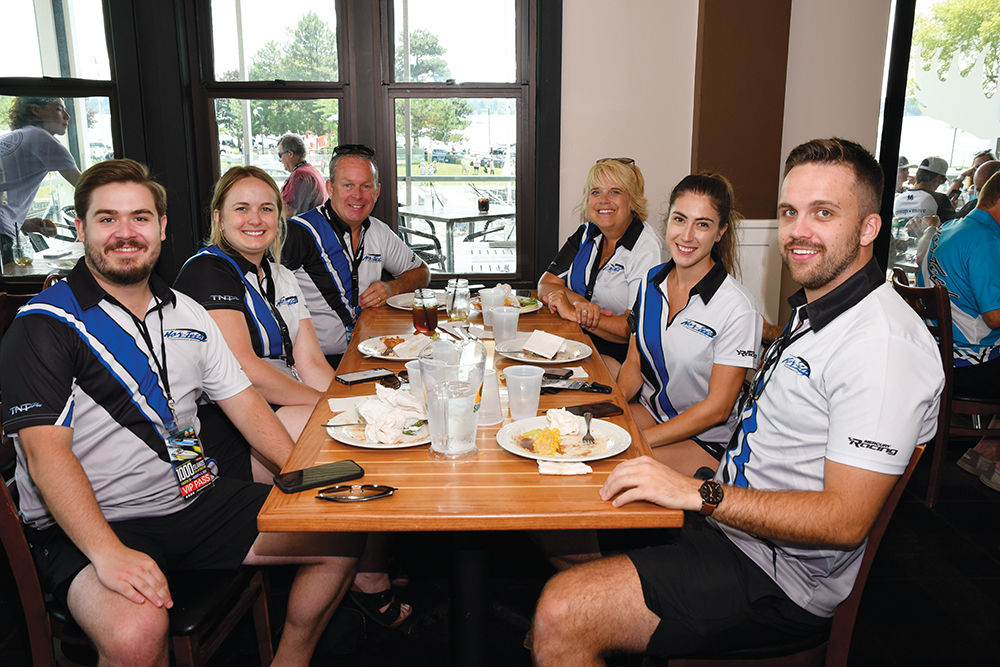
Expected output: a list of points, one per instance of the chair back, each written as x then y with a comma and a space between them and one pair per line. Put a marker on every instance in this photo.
28, 586
9, 304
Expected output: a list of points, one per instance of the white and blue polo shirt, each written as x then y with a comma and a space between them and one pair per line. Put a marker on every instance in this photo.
859, 384
228, 281
74, 357
719, 325
964, 256
332, 276
615, 285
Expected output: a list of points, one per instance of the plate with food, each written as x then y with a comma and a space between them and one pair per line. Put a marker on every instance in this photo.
571, 350
537, 438
404, 301
352, 433
528, 304
404, 347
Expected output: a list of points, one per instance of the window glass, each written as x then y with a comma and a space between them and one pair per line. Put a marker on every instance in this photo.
256, 40
31, 185
265, 121
451, 155
460, 40
950, 114
57, 39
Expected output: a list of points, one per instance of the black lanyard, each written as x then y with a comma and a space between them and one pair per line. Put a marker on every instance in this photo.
161, 370
595, 270
356, 258
267, 288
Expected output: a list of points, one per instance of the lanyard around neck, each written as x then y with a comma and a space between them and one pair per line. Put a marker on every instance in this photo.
161, 369
267, 288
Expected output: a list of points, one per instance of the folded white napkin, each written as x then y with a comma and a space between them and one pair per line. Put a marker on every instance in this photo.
564, 468
578, 373
544, 344
388, 413
566, 422
411, 346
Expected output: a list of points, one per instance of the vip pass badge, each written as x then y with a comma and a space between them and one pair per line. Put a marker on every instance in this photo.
188, 460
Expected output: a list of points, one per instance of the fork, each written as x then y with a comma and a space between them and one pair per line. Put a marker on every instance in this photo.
587, 438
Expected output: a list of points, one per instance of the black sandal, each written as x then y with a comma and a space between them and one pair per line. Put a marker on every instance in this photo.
372, 605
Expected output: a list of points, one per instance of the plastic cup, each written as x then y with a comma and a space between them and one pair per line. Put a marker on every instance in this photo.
490, 410
524, 387
452, 377
504, 323
413, 372
489, 299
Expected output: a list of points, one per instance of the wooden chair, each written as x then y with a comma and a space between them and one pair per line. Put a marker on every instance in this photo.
832, 649
207, 605
933, 305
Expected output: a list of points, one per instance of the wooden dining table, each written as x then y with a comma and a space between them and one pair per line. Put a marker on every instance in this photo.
499, 491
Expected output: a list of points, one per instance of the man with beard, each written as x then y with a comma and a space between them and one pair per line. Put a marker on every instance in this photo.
100, 375
834, 412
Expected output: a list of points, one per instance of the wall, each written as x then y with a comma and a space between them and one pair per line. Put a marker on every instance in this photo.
627, 90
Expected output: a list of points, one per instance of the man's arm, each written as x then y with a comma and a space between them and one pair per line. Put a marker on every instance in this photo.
63, 483
256, 421
71, 175
839, 516
992, 319
380, 291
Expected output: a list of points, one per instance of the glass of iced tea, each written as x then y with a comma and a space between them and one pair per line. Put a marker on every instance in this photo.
425, 310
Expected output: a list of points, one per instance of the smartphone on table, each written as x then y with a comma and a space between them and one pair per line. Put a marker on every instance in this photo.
369, 375
601, 409
324, 475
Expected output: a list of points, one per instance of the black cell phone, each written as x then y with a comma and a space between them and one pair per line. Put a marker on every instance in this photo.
369, 375
557, 374
324, 475
573, 385
602, 409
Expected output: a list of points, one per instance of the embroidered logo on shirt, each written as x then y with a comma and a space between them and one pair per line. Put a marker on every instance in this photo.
699, 328
614, 268
224, 297
287, 301
797, 364
24, 407
185, 334
871, 444
746, 353
372, 257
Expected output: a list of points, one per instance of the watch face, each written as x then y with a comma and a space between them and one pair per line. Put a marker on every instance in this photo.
711, 492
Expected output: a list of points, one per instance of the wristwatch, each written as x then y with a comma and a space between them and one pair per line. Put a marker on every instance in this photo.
711, 496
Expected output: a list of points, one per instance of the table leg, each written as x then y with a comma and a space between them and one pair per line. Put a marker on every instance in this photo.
470, 602
449, 236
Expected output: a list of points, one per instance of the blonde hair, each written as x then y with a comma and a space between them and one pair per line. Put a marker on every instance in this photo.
720, 192
222, 189
625, 174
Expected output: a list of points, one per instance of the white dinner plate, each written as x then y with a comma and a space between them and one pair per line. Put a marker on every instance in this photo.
375, 347
525, 309
404, 301
512, 350
611, 440
355, 436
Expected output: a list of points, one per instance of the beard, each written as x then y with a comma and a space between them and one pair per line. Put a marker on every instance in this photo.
830, 263
126, 271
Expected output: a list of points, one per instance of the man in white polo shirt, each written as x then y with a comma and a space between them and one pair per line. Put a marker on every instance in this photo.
834, 412
101, 373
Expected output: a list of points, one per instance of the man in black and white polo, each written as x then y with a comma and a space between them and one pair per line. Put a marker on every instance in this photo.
100, 376
338, 252
834, 412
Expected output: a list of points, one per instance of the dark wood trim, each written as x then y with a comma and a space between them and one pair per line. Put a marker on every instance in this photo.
892, 119
739, 107
548, 132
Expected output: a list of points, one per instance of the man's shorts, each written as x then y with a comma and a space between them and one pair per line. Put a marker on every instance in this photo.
215, 531
978, 380
710, 597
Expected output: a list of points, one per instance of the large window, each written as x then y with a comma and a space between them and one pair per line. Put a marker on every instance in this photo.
443, 101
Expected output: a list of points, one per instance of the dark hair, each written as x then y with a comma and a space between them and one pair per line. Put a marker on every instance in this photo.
926, 175
353, 150
868, 175
720, 192
20, 114
117, 171
294, 143
222, 187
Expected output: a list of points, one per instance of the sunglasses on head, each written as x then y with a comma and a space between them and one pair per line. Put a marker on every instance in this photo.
354, 149
623, 160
